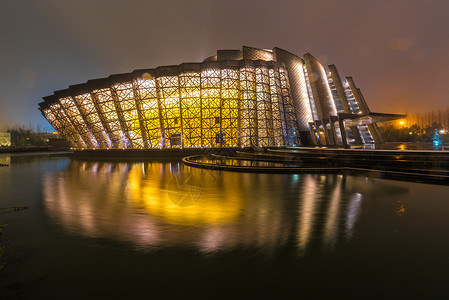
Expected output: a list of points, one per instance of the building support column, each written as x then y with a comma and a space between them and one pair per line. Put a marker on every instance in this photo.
121, 117
326, 133
140, 115
374, 134
343, 133
356, 134
313, 133
334, 131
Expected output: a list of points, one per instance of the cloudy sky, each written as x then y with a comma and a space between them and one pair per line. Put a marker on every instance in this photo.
396, 50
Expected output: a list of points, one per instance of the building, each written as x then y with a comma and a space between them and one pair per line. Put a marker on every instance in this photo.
5, 139
237, 98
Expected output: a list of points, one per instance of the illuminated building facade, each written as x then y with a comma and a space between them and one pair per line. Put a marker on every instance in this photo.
237, 98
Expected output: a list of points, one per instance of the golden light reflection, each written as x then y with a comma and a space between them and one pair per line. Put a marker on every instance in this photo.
401, 147
187, 198
165, 204
401, 208
156, 204
5, 160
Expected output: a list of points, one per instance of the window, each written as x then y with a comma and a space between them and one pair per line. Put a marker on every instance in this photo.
175, 139
220, 138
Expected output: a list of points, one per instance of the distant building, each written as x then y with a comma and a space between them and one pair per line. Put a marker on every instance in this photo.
237, 98
5, 139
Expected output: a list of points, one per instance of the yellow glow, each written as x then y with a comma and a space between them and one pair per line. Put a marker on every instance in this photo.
187, 199
214, 107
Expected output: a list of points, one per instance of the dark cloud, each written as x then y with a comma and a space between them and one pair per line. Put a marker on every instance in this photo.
396, 50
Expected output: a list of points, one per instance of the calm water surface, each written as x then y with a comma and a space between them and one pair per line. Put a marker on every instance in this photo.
153, 229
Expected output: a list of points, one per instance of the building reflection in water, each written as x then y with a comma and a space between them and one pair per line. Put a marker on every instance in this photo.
329, 205
352, 213
154, 205
307, 211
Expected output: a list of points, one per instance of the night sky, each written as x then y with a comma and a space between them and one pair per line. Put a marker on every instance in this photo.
397, 51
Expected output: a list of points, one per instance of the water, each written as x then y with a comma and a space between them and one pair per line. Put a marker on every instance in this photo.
97, 229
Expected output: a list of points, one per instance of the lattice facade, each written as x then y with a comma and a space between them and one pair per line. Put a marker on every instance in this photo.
211, 104
236, 98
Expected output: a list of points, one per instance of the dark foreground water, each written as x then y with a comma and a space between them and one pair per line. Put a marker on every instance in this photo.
163, 230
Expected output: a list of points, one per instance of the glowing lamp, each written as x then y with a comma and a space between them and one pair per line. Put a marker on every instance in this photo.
436, 140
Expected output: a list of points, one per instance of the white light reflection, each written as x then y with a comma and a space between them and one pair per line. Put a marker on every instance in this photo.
307, 211
352, 213
215, 239
329, 206
332, 217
